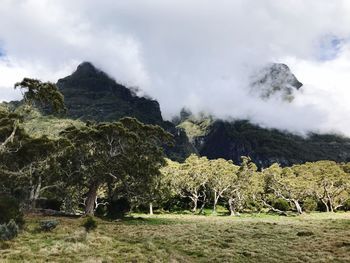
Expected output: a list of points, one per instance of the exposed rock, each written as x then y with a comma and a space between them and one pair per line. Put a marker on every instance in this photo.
233, 139
275, 79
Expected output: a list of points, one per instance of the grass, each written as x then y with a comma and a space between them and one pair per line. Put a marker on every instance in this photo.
318, 237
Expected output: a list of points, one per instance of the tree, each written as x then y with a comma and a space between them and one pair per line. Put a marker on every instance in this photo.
241, 181
10, 132
287, 184
191, 179
31, 154
42, 93
126, 151
222, 177
328, 182
29, 171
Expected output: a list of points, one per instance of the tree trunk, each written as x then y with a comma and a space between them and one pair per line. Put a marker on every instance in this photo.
325, 204
231, 206
34, 193
195, 203
91, 198
297, 206
215, 201
150, 208
203, 203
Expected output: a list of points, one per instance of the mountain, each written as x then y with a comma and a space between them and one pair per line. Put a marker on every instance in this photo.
91, 95
275, 79
217, 138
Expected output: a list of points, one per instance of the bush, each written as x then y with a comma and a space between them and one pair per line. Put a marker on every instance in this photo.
48, 225
118, 208
254, 206
346, 206
281, 204
90, 224
9, 208
8, 231
310, 204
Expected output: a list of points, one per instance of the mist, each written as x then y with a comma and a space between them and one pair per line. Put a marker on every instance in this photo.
197, 54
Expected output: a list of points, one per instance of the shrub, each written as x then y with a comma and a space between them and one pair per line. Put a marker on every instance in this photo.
117, 208
90, 224
254, 206
346, 206
8, 230
310, 204
48, 225
9, 208
281, 204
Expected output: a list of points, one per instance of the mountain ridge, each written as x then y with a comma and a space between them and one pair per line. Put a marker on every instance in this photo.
91, 95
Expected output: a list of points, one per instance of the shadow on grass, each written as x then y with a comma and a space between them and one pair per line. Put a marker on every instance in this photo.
137, 220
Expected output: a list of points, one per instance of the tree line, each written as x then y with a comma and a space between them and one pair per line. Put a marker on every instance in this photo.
113, 167
322, 185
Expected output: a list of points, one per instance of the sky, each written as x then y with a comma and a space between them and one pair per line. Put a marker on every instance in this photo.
197, 54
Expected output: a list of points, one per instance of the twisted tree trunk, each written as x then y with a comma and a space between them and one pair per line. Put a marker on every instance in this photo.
91, 198
231, 206
297, 206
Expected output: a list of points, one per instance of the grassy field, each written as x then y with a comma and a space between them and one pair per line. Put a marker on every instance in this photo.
320, 237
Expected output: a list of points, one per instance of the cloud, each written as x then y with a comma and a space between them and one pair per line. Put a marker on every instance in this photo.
194, 53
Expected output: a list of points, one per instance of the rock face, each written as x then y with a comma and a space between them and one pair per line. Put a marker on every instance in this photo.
91, 94
233, 139
275, 79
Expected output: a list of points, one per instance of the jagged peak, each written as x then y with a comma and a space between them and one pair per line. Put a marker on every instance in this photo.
87, 68
275, 78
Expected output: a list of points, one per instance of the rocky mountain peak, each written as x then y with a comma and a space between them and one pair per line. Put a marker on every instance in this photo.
86, 69
275, 79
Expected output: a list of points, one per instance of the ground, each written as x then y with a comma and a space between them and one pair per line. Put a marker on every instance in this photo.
318, 237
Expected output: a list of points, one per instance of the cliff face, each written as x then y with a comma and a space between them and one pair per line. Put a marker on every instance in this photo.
91, 94
231, 140
216, 138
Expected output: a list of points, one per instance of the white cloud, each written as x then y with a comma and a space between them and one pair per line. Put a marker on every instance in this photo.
194, 53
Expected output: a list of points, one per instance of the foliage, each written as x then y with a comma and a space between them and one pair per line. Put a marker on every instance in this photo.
8, 230
10, 210
44, 93
310, 204
281, 204
106, 153
48, 225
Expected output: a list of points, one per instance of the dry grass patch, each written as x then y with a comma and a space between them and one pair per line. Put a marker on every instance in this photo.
186, 238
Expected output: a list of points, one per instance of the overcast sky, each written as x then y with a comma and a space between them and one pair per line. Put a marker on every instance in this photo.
192, 53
